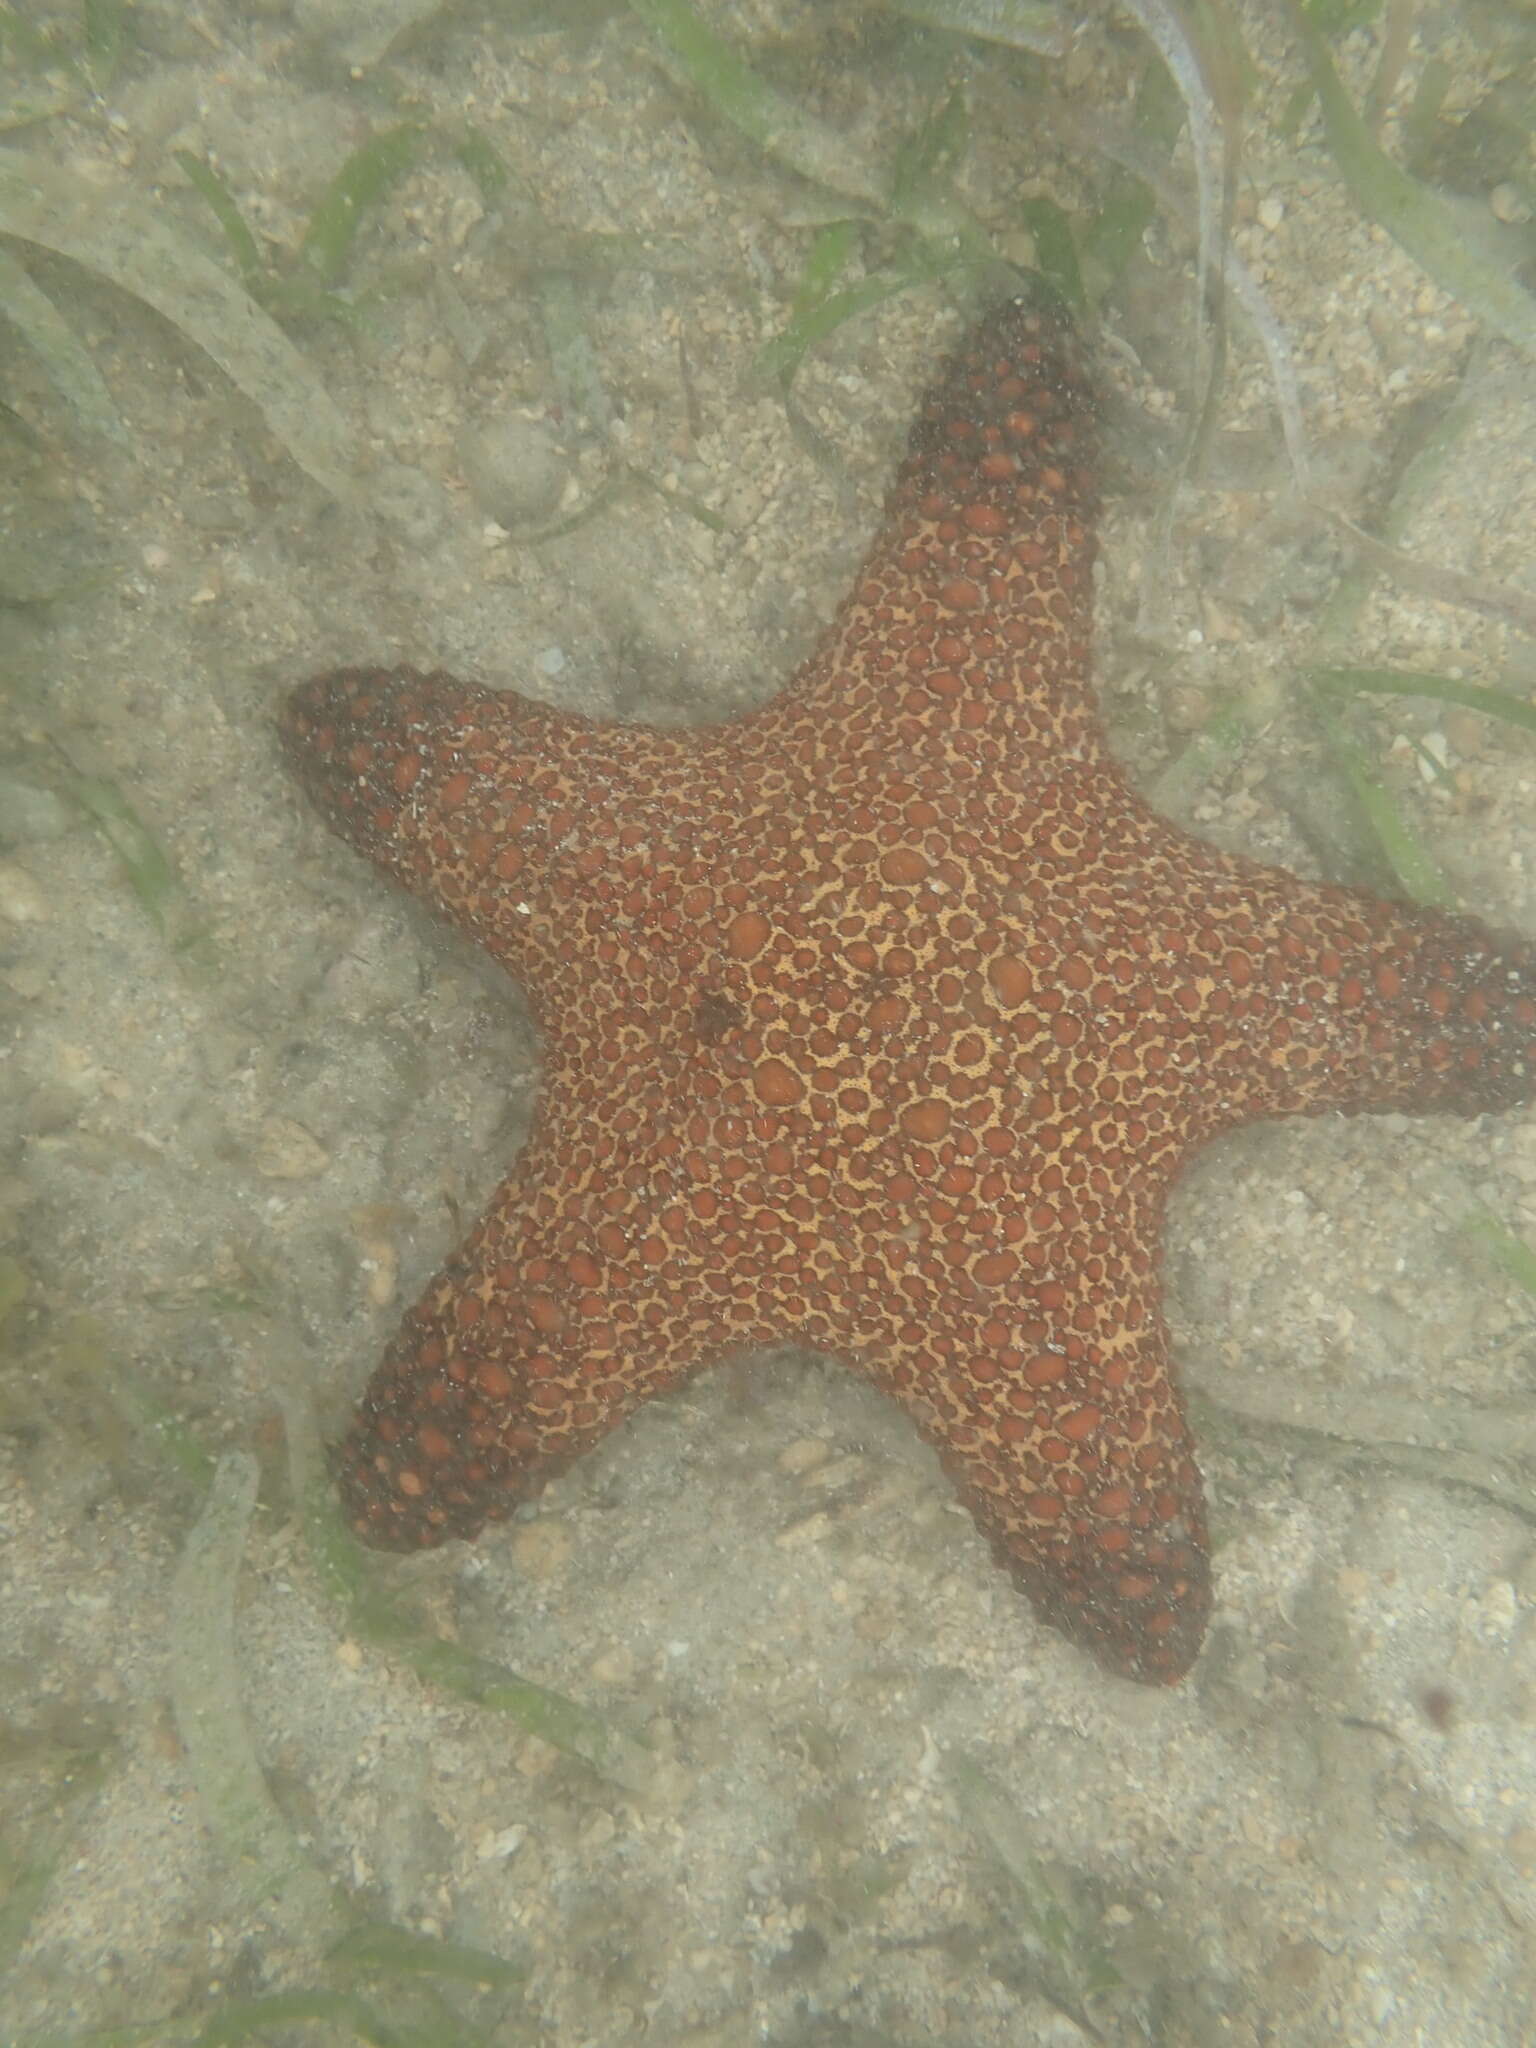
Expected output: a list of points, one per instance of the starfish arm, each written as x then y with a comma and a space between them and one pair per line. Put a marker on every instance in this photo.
1054, 1408
548, 1326
499, 812
1397, 1007
1289, 998
972, 611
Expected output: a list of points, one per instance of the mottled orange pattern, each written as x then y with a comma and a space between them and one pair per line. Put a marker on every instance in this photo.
882, 1018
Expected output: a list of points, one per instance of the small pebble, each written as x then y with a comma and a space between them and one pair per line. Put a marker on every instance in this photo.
803, 1455
286, 1151
613, 1667
505, 1842
21, 896
515, 470
541, 1548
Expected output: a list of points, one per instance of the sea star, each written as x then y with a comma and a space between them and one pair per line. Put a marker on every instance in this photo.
882, 1017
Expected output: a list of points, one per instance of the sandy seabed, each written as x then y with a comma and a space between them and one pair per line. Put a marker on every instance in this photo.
236, 1146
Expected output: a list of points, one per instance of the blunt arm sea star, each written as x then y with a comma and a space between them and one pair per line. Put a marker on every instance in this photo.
882, 1017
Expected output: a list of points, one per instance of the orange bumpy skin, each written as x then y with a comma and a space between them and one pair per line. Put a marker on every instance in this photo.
882, 1018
